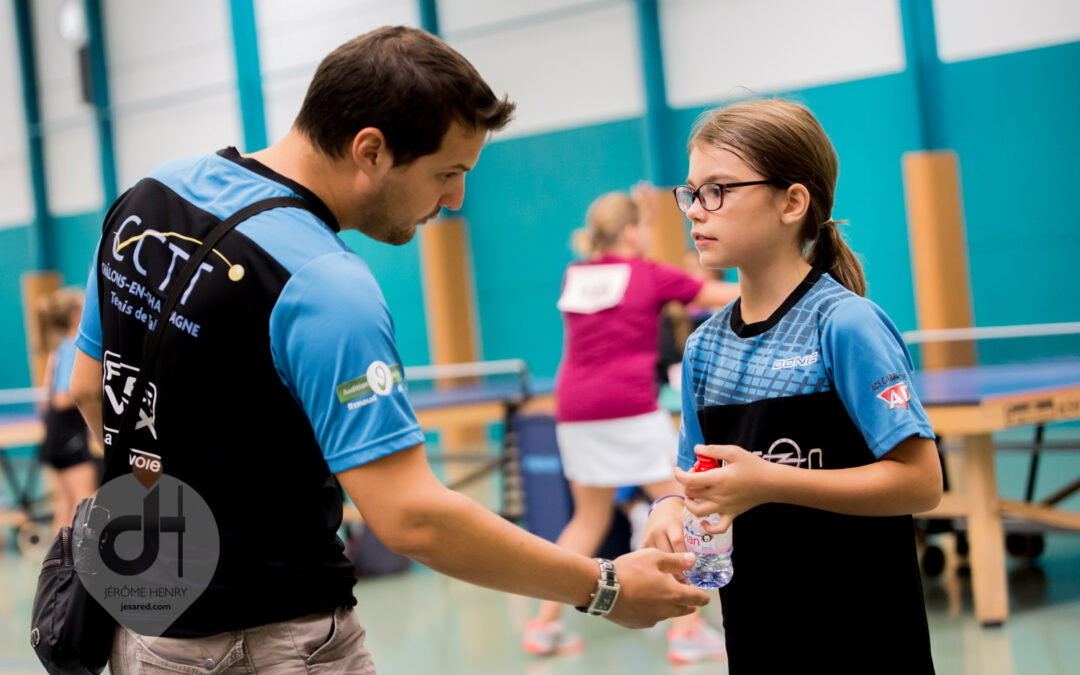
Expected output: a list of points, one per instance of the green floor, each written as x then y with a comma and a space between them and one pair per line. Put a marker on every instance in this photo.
420, 622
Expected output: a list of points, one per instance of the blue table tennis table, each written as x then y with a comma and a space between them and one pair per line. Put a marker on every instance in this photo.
22, 429
474, 405
969, 404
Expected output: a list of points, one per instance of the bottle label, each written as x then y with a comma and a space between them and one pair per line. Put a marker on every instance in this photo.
705, 543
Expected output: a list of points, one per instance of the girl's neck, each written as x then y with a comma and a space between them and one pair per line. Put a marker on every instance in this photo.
764, 288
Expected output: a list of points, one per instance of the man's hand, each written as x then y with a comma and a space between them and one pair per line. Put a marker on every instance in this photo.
647, 591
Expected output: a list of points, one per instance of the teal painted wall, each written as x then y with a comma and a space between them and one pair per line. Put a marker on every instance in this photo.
522, 202
79, 235
1011, 118
1015, 122
397, 269
14, 260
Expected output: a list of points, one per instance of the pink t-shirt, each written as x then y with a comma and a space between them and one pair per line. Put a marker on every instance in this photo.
611, 311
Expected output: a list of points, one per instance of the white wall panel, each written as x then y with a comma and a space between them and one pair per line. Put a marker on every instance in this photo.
473, 15
970, 29
295, 36
570, 71
16, 198
156, 49
712, 50
155, 135
72, 162
73, 169
172, 73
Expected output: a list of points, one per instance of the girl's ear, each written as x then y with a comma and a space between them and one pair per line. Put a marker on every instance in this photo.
793, 203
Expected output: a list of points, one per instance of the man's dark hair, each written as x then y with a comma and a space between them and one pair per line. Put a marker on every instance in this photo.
403, 81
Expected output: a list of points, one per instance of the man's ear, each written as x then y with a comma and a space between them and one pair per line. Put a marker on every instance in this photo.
370, 153
793, 203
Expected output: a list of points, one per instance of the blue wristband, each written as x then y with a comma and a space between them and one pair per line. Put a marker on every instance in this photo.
662, 499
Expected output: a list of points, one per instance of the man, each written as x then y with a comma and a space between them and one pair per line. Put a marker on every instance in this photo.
280, 370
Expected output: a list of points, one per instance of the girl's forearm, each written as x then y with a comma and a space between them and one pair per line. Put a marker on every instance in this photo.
907, 480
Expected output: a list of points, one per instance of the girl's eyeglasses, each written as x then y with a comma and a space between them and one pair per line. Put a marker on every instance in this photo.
711, 195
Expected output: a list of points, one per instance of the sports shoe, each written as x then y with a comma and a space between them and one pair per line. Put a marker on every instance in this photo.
546, 639
700, 643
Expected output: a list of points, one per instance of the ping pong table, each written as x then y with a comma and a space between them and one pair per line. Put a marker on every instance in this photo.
463, 395
20, 427
971, 403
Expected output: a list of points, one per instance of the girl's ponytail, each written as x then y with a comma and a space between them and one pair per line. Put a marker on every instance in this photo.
831, 253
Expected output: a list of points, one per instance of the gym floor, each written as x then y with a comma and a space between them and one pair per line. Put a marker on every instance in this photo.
421, 622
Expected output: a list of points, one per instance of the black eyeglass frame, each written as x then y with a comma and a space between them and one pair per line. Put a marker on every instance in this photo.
695, 194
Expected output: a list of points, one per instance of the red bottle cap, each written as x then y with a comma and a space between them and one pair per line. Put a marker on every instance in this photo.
705, 464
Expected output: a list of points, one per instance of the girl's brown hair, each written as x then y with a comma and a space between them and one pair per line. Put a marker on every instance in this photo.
784, 142
605, 220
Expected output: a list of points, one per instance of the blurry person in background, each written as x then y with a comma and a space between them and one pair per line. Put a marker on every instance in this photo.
66, 446
611, 431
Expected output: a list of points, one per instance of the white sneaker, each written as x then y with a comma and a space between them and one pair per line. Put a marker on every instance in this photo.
546, 639
700, 643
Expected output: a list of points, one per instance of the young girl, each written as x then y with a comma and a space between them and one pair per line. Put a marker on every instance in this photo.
610, 429
65, 446
803, 388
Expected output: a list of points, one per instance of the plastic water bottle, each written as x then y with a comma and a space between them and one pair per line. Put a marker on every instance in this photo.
713, 568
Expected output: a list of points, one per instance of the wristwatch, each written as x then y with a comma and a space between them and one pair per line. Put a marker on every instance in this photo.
607, 590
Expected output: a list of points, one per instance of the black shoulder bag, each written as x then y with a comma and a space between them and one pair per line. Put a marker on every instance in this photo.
70, 631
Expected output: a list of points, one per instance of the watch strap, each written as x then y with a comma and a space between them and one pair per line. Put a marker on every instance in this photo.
602, 601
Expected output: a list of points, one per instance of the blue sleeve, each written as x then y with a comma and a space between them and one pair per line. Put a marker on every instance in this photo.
690, 428
332, 341
870, 368
89, 338
65, 363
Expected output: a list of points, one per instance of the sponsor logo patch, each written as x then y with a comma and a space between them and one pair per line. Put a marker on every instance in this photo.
379, 379
795, 361
897, 396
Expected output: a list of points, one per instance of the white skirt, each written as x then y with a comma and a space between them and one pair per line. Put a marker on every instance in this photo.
625, 451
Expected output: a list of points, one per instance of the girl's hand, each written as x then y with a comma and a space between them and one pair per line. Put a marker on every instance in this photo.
743, 482
663, 530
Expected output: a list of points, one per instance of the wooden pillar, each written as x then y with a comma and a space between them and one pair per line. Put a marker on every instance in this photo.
943, 300
450, 308
35, 287
938, 253
668, 235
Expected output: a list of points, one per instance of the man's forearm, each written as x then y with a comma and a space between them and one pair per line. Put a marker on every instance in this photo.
458, 537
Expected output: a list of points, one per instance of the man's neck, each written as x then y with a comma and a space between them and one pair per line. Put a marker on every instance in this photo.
295, 158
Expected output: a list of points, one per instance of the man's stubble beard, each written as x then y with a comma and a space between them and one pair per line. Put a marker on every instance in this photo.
378, 221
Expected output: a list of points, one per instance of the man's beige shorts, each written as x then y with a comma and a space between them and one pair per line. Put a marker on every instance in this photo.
331, 642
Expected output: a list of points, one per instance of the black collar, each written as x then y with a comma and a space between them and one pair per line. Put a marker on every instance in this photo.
317, 206
748, 330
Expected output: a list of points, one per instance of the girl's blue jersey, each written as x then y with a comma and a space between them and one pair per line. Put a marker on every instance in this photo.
824, 383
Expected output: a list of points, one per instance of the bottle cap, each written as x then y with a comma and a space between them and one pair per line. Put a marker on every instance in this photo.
705, 464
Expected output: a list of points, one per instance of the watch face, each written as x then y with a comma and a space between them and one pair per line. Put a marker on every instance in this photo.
605, 600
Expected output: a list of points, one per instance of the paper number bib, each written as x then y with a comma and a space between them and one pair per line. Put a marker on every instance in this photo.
594, 288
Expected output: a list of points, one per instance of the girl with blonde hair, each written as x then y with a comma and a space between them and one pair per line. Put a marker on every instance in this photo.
610, 429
